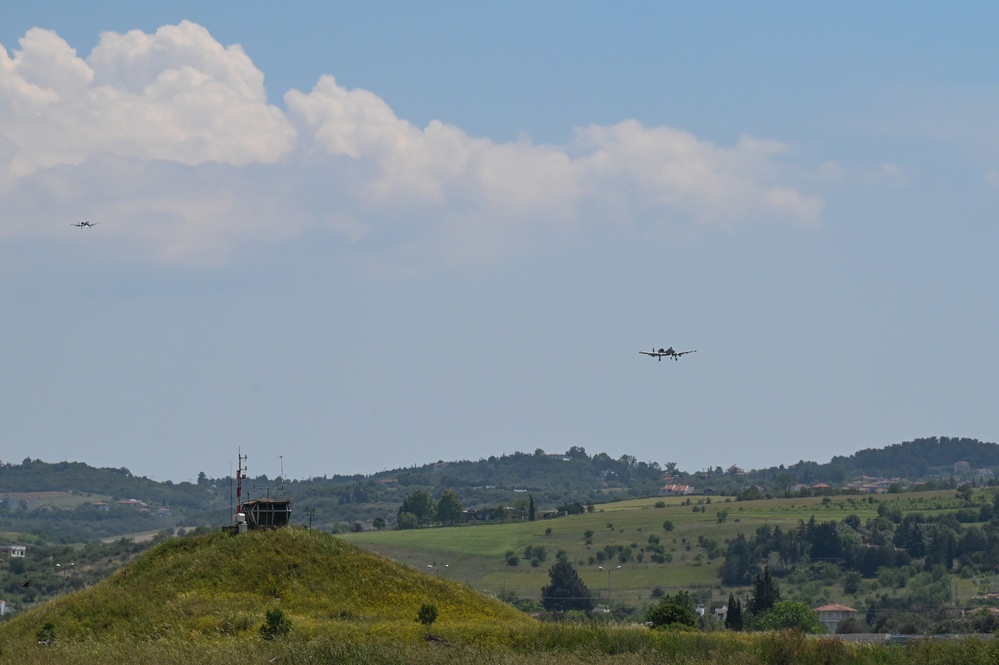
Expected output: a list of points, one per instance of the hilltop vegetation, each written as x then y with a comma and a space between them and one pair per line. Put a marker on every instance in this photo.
297, 596
901, 559
221, 585
338, 502
52, 507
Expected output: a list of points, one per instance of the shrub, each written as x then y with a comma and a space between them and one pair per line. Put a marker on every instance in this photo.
427, 614
791, 614
46, 635
664, 614
275, 624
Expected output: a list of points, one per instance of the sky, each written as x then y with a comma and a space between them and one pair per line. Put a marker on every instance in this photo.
348, 237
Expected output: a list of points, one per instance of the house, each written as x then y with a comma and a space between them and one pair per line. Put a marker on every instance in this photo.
674, 489
831, 615
962, 467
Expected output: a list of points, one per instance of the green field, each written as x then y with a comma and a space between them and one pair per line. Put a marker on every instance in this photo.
475, 553
208, 598
53, 500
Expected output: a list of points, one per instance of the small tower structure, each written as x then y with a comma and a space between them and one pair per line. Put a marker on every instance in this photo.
256, 514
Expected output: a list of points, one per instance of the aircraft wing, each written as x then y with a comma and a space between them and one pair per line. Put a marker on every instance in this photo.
683, 353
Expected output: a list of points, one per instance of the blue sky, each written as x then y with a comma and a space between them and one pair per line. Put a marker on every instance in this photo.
345, 238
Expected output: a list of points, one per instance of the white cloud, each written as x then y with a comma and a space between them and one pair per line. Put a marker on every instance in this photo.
439, 165
175, 95
663, 166
339, 160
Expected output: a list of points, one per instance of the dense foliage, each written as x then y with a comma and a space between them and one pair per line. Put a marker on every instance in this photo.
566, 590
525, 482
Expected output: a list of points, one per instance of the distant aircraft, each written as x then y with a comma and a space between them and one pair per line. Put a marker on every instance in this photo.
669, 353
85, 225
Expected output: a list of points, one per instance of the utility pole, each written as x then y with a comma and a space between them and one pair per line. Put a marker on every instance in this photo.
609, 570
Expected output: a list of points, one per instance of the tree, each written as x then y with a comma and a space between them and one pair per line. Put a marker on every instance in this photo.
407, 521
421, 505
566, 590
965, 493
733, 618
791, 614
765, 594
738, 561
852, 581
531, 510
449, 508
681, 598
378, 523
664, 614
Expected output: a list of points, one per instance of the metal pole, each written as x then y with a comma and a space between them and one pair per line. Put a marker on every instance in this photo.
609, 583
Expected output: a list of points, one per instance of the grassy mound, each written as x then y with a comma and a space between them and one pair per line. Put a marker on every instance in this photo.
218, 585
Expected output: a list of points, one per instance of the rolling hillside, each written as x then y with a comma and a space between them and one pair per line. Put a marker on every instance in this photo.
220, 585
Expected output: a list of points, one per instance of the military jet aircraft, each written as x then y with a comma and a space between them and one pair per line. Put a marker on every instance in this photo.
85, 225
669, 353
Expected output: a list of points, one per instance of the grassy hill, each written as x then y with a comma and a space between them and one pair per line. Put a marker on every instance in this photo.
214, 586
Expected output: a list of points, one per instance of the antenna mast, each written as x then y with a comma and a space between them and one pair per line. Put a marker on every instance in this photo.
239, 481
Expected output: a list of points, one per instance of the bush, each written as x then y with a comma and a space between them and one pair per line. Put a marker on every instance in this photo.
427, 614
791, 614
46, 635
275, 624
664, 614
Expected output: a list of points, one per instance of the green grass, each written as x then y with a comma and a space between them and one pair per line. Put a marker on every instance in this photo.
203, 599
222, 585
58, 500
534, 644
474, 553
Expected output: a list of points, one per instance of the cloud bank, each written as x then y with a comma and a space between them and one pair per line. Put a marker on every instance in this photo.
169, 138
